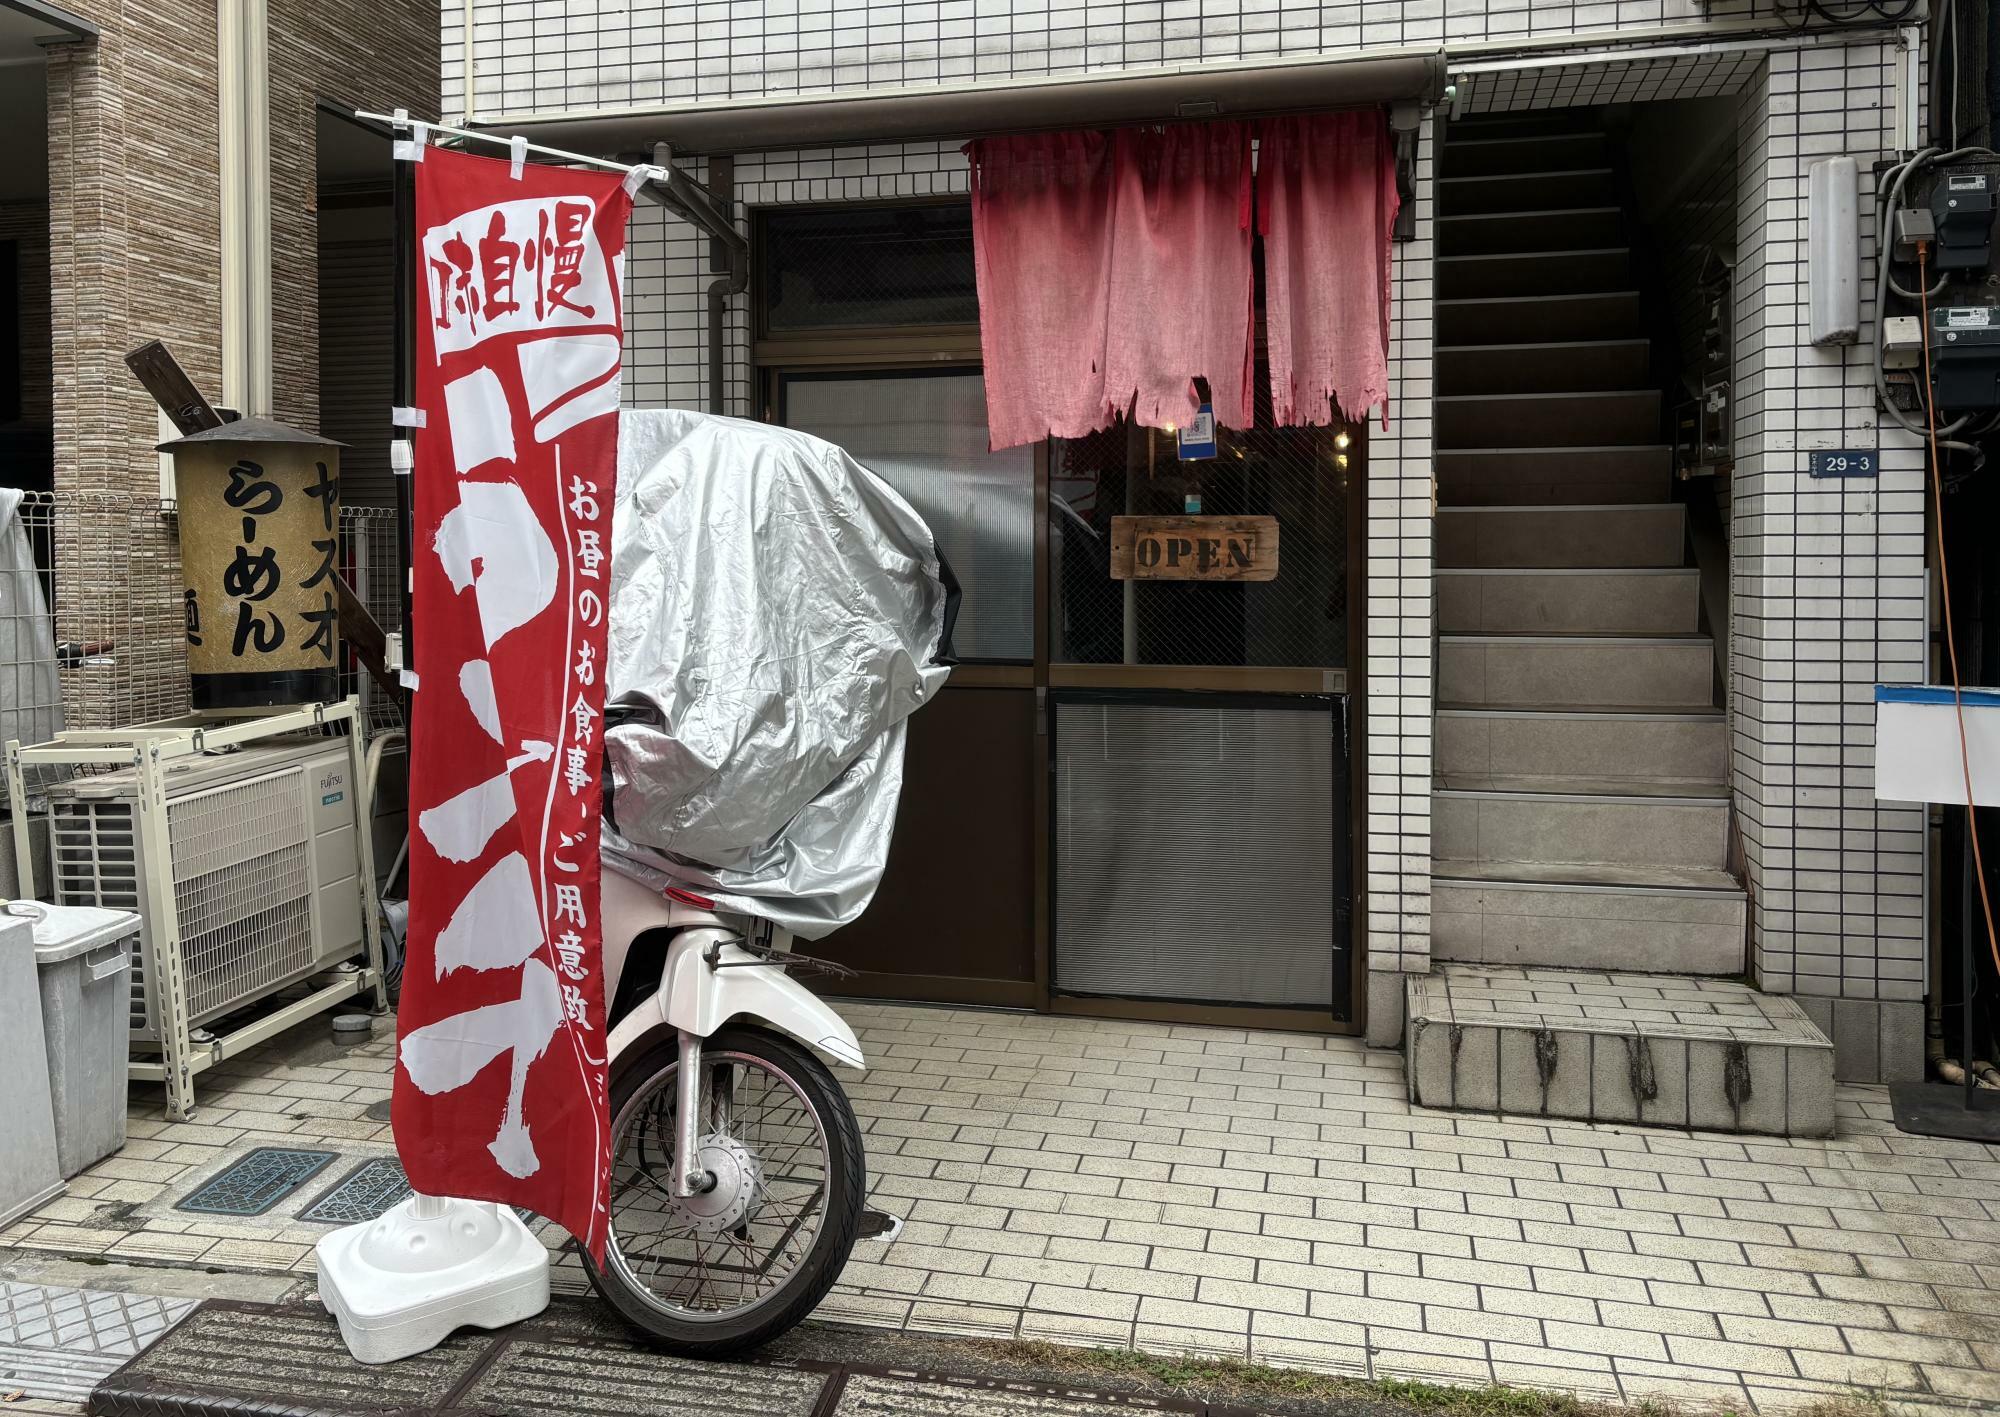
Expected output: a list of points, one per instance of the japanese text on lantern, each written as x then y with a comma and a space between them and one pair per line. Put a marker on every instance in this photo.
254, 574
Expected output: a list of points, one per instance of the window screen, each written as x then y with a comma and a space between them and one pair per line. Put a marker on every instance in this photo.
851, 268
925, 435
1300, 477
1198, 851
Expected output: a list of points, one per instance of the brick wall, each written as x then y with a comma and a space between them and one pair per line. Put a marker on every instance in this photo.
133, 236
133, 229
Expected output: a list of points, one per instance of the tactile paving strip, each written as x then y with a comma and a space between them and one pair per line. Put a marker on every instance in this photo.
362, 1194
256, 1181
59, 1343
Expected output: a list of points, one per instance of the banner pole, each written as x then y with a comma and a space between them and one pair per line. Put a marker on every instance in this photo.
403, 215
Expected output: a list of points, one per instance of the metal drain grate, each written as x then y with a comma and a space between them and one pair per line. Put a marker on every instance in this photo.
362, 1194
533, 1378
236, 1358
256, 1181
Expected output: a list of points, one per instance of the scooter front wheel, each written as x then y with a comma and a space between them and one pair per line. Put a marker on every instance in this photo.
753, 1252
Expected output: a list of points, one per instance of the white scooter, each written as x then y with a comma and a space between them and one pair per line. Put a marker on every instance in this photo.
737, 1175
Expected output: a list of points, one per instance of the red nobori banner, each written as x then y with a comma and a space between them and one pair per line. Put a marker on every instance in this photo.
500, 1083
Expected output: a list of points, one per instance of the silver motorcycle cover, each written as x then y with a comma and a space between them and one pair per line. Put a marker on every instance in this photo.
775, 612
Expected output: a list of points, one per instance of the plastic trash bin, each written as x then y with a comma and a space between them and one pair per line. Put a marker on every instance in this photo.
83, 954
28, 1174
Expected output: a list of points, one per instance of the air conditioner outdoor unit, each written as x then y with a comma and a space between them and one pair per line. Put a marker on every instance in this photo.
263, 866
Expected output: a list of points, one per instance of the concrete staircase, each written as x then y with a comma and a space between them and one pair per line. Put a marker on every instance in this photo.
1580, 813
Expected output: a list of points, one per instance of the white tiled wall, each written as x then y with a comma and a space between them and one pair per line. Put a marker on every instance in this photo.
1828, 575
547, 55
1396, 745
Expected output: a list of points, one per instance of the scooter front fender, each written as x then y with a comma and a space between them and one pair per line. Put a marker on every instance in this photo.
696, 998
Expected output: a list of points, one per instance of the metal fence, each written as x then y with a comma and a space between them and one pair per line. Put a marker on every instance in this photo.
369, 561
92, 624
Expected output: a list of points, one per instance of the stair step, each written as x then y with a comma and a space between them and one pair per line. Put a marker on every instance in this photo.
1474, 233
1688, 880
1515, 319
1567, 784
1527, 191
1602, 418
1607, 364
1560, 477
1611, 1046
1683, 922
1535, 272
1651, 600
1632, 535
1516, 125
1538, 151
1581, 671
1582, 828
1528, 749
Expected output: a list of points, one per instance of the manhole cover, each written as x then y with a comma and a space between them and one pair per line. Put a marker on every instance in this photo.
362, 1194
377, 1111
256, 1181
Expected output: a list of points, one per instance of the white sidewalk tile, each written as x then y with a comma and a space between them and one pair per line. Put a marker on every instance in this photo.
1065, 1196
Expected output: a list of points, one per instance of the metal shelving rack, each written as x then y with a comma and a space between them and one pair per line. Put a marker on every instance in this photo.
148, 749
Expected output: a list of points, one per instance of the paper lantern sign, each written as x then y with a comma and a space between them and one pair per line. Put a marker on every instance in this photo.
260, 547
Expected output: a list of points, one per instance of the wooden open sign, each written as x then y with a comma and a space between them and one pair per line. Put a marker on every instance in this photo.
1194, 548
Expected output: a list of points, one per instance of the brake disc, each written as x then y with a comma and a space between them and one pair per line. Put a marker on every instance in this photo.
738, 1186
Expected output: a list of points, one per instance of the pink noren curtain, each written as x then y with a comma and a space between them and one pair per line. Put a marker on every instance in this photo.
1113, 268
1326, 199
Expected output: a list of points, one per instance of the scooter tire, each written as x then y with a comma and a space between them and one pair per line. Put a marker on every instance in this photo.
847, 1175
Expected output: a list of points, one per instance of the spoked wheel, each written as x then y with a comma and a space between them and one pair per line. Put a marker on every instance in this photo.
755, 1251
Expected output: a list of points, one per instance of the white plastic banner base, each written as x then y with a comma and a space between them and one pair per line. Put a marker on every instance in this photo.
1917, 754
400, 1283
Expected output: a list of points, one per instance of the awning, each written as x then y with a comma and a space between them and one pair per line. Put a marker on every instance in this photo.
918, 112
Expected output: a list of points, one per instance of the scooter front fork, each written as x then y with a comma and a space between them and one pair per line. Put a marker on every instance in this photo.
691, 1178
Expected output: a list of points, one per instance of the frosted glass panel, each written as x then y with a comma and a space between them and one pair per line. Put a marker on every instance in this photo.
1198, 853
925, 435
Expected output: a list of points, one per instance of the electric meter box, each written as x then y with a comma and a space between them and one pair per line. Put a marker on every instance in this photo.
1962, 209
1965, 358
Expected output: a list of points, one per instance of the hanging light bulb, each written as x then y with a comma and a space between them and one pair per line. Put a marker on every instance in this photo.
1341, 440
1340, 459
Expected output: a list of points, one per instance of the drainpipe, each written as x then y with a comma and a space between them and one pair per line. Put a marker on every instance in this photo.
243, 88
730, 258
